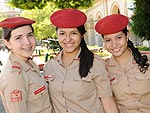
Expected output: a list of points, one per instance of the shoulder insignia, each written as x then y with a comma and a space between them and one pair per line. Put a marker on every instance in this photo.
16, 67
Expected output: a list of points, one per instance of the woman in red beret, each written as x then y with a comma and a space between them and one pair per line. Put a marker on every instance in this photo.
78, 81
129, 70
22, 88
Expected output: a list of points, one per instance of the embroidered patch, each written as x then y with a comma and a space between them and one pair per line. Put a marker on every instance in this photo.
16, 95
48, 76
39, 90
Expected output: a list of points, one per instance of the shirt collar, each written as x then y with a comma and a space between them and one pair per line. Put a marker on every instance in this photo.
59, 56
112, 61
24, 65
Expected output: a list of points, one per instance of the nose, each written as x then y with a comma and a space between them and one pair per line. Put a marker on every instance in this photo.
114, 44
27, 41
67, 38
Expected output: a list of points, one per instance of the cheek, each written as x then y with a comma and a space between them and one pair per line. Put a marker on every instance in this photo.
107, 45
33, 40
124, 43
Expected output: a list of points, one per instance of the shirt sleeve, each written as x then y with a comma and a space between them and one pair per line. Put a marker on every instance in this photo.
14, 93
101, 78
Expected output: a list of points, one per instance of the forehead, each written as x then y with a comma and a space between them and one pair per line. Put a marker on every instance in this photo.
113, 35
22, 29
67, 29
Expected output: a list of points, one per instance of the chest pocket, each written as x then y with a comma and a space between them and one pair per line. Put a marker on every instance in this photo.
85, 85
88, 78
143, 83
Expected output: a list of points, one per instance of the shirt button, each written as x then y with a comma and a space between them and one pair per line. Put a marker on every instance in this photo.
41, 93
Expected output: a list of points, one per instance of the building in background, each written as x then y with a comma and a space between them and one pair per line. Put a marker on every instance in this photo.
6, 10
102, 8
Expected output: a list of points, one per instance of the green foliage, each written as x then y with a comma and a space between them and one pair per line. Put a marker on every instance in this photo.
1, 18
43, 28
28, 4
72, 3
40, 4
141, 19
143, 48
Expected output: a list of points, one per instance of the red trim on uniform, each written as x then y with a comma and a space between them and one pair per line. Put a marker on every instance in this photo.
16, 96
112, 79
48, 76
39, 90
16, 67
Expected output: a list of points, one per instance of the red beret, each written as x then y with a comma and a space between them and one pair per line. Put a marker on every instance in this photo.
111, 24
68, 18
15, 22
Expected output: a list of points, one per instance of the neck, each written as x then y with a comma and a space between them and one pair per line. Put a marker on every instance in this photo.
67, 58
124, 58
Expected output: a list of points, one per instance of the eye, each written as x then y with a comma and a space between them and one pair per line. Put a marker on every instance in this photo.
74, 33
18, 37
119, 37
61, 33
30, 34
107, 40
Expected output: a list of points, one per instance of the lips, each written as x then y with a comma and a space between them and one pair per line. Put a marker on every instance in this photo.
69, 44
27, 49
116, 50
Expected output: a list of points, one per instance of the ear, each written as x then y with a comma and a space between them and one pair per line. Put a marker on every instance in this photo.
7, 44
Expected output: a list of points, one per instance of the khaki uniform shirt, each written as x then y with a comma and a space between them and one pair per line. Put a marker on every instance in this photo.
70, 93
22, 88
131, 88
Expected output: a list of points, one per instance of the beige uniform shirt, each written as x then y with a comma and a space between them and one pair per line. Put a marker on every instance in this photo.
22, 88
131, 88
70, 93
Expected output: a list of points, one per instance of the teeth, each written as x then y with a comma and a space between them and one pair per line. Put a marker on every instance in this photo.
29, 48
116, 50
68, 44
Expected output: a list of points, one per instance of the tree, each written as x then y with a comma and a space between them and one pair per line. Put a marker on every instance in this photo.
43, 28
32, 4
140, 23
28, 4
72, 3
1, 18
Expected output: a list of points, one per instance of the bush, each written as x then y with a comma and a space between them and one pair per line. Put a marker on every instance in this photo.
143, 48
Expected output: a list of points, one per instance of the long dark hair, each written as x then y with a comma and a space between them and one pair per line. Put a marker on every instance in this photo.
86, 56
140, 59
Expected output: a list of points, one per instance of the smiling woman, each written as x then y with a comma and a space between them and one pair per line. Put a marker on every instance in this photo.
78, 81
22, 88
128, 69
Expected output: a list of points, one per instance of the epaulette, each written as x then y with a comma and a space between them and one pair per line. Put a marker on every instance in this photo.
16, 67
